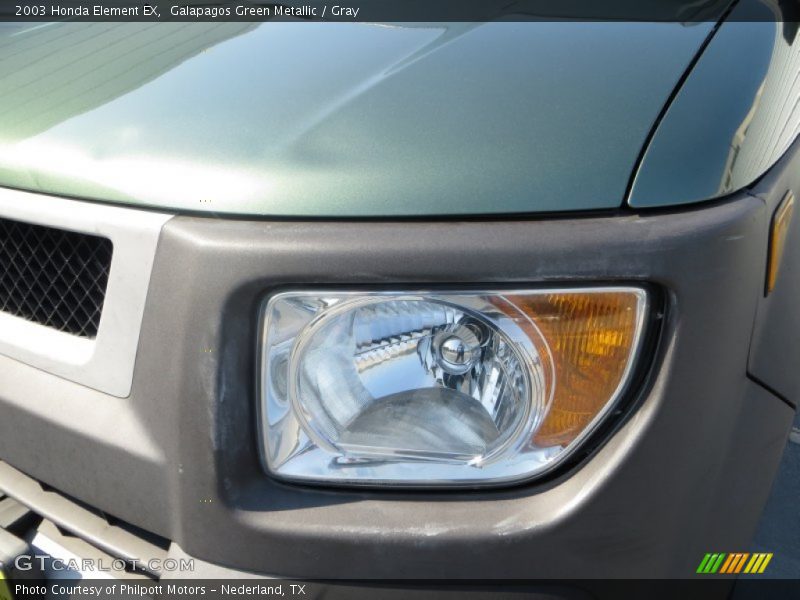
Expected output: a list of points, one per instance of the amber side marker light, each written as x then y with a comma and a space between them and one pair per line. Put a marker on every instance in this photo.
777, 239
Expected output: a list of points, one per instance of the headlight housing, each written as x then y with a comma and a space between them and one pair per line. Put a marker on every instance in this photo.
440, 388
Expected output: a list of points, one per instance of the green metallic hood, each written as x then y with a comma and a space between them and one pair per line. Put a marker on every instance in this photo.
336, 119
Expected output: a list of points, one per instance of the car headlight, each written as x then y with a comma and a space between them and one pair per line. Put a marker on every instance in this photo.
440, 388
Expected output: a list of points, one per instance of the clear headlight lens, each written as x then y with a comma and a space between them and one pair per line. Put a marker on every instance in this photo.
439, 388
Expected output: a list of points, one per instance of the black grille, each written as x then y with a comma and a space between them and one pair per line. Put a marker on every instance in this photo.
53, 277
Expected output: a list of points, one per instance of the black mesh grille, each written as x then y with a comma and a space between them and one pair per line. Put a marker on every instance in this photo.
53, 277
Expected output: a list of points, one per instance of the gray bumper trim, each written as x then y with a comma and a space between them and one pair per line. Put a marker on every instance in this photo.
687, 469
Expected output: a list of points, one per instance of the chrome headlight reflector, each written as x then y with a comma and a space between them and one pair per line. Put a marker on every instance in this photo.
439, 388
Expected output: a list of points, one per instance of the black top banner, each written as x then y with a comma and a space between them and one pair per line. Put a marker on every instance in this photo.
393, 11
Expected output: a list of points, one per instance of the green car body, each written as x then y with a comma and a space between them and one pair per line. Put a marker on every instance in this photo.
370, 120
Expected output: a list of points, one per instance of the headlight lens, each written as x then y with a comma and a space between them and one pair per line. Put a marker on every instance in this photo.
439, 388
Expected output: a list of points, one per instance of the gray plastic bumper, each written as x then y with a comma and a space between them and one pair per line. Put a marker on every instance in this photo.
685, 469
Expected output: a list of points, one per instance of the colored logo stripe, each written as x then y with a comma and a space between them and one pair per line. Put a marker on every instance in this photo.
729, 563
758, 563
710, 563
5, 590
733, 563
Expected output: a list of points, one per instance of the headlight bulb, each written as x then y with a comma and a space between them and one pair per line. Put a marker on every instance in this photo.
457, 350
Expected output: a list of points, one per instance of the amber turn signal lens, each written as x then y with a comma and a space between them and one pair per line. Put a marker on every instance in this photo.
592, 339
777, 239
